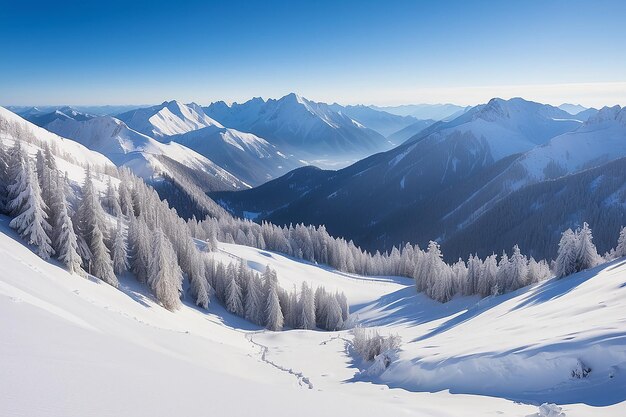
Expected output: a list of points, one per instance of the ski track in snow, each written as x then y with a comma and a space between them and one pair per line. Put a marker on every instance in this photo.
303, 381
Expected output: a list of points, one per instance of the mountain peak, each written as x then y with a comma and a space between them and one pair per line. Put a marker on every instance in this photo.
608, 113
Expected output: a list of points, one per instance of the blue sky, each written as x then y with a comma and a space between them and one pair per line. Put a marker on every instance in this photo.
372, 52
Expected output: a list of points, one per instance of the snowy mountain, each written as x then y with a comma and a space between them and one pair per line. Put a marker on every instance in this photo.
404, 194
250, 158
380, 121
572, 109
308, 130
425, 111
42, 118
142, 154
72, 157
167, 119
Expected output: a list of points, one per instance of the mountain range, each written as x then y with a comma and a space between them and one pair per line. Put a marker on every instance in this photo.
455, 174
448, 180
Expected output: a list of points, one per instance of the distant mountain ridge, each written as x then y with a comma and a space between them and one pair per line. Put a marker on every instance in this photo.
311, 131
434, 185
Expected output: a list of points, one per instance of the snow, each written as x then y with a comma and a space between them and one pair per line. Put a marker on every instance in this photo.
167, 119
601, 139
119, 353
125, 146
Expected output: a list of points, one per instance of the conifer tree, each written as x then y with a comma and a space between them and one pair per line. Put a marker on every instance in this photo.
565, 263
65, 240
165, 277
587, 256
120, 250
253, 300
273, 313
30, 210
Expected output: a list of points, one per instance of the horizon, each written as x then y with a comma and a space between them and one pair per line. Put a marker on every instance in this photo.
371, 105
399, 53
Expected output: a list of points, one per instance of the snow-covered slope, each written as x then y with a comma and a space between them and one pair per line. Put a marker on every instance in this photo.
601, 139
72, 157
42, 118
250, 158
117, 352
505, 127
124, 146
310, 131
598, 141
167, 119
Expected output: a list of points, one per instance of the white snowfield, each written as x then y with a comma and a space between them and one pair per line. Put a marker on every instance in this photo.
71, 346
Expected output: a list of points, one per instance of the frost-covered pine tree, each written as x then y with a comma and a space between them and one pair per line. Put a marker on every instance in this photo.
518, 270
31, 217
111, 201
488, 276
101, 264
65, 240
273, 313
620, 249
565, 263
120, 250
91, 225
15, 168
333, 315
234, 302
198, 280
165, 277
306, 305
4, 176
253, 300
141, 248
587, 256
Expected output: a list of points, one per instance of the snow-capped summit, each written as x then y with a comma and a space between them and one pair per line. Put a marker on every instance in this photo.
506, 127
41, 117
573, 109
305, 128
167, 119
607, 114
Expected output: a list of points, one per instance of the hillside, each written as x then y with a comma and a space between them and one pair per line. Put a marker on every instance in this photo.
140, 153
218, 357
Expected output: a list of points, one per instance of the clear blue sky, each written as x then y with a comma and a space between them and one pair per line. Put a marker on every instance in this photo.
373, 52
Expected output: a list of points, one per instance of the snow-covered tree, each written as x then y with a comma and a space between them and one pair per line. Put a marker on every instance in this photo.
120, 250
4, 176
306, 305
273, 313
165, 277
334, 320
141, 247
565, 263
91, 226
65, 240
198, 279
620, 249
518, 270
587, 256
30, 210
253, 304
234, 302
